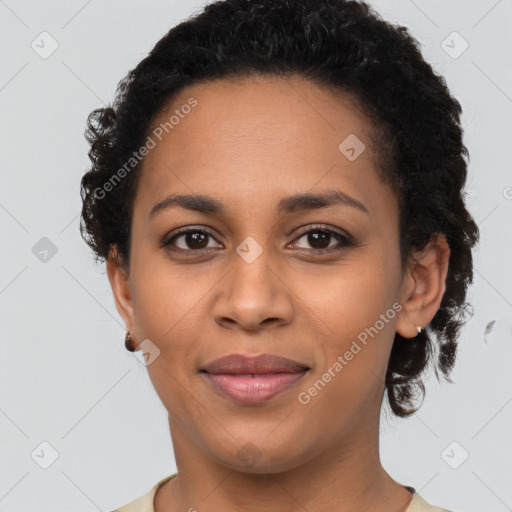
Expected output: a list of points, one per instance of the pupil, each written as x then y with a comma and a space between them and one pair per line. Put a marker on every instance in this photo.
324, 239
193, 238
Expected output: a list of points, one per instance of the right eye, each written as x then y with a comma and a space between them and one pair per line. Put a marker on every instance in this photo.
189, 240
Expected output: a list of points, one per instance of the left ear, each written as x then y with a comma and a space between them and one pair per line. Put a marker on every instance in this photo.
423, 286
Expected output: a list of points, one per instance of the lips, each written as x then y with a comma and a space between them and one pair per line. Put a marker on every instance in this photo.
237, 364
253, 379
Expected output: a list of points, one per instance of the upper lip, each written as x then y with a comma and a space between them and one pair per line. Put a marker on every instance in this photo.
244, 364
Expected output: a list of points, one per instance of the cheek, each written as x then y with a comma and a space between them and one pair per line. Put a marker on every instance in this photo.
167, 298
168, 312
355, 311
346, 299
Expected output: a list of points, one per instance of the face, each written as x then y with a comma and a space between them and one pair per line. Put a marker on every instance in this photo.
265, 269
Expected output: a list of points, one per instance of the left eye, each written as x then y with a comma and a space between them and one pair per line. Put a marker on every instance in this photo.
320, 240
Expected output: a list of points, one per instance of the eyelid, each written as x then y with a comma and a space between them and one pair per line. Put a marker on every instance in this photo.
324, 227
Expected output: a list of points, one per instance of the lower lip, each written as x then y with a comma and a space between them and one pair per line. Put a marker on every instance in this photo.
246, 389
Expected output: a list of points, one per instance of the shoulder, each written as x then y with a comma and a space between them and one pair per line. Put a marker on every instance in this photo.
143, 503
418, 504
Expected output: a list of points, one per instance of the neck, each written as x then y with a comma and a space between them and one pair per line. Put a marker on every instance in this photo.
348, 477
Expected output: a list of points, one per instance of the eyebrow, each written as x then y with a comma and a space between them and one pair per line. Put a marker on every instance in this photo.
287, 205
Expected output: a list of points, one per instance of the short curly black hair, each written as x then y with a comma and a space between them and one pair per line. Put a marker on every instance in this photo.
343, 45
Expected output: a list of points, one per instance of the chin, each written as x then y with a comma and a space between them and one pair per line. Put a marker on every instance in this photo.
264, 457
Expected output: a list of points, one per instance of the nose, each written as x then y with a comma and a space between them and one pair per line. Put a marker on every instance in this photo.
254, 296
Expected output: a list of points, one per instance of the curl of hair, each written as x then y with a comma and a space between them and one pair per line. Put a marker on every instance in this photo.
345, 46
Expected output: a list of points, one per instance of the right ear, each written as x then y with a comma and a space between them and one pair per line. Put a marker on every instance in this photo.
119, 277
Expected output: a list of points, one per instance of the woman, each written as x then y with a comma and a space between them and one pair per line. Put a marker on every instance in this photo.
277, 191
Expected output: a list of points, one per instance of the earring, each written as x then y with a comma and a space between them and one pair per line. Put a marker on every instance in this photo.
418, 328
127, 341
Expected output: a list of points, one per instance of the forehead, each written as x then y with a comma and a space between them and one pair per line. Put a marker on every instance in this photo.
260, 136
263, 109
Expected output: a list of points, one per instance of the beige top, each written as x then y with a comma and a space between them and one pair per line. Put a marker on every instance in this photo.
145, 503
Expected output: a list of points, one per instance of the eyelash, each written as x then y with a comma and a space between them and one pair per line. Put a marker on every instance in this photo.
345, 240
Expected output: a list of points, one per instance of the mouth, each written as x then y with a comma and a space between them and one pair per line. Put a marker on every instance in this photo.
252, 380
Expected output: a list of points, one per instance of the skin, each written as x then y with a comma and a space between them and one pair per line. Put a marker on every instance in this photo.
248, 144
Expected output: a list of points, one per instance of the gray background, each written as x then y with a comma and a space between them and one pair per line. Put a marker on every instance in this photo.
66, 378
